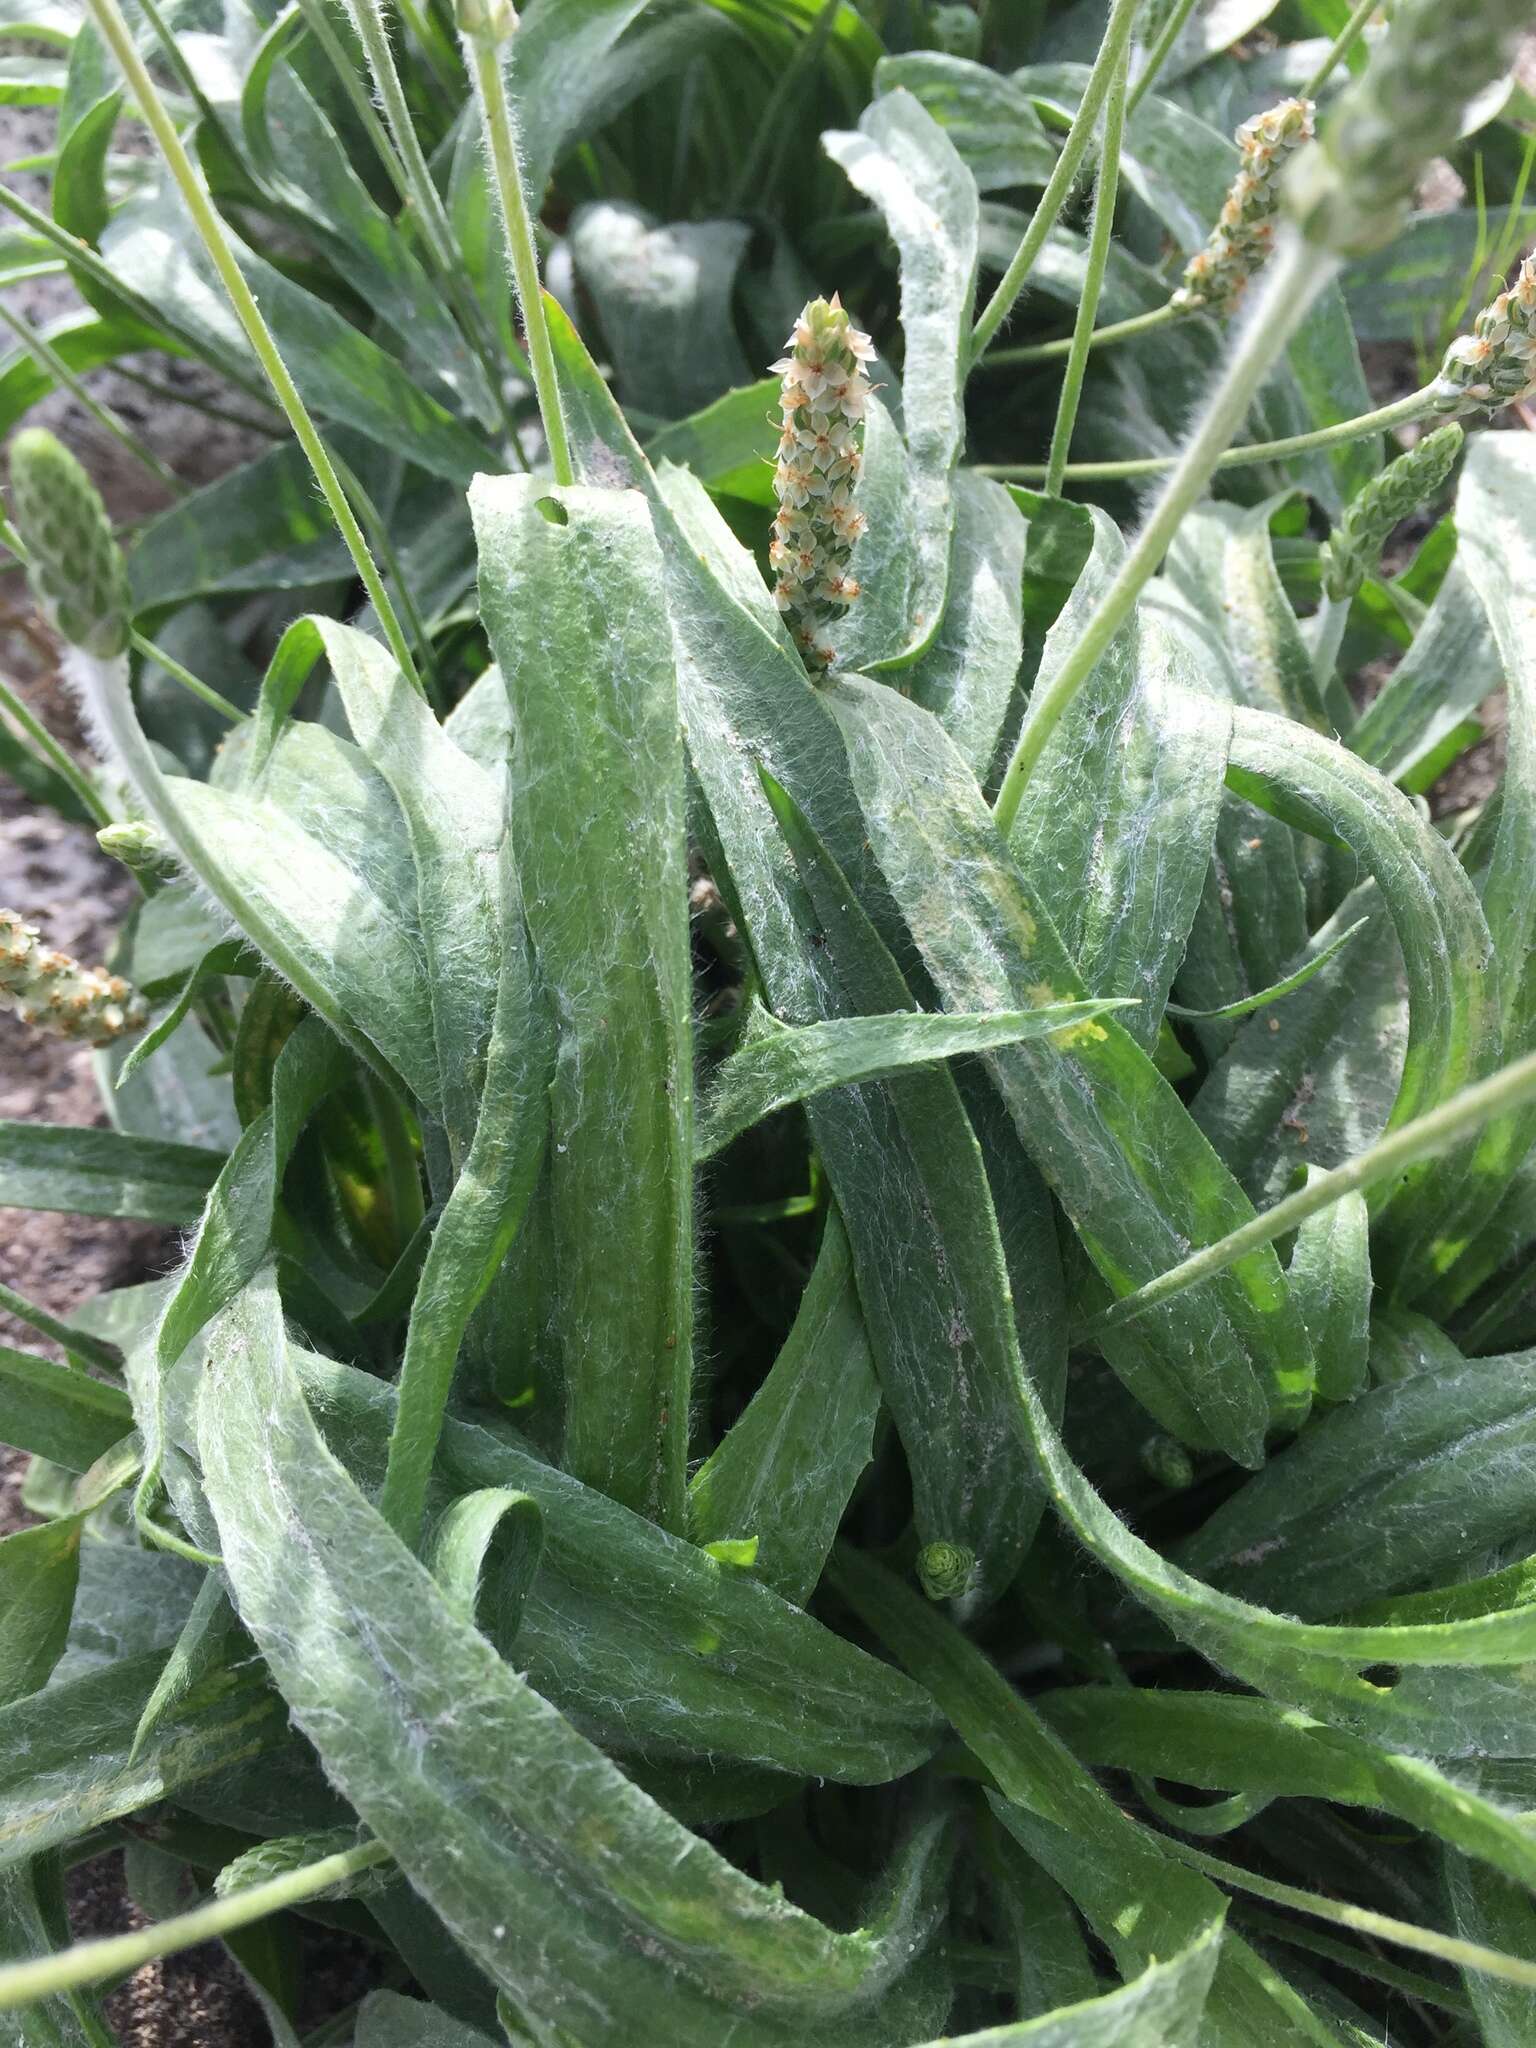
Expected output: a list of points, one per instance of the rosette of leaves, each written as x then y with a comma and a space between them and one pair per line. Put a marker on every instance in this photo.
1083, 1539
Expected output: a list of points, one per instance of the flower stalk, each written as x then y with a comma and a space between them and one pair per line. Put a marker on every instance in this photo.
108, 17
485, 26
821, 450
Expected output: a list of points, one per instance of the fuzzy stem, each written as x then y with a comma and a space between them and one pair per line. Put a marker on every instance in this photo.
15, 708
484, 54
1414, 407
47, 356
1157, 56
1340, 47
318, 24
92, 1962
108, 17
1117, 36
1099, 234
1297, 273
1102, 337
1434, 1132
421, 190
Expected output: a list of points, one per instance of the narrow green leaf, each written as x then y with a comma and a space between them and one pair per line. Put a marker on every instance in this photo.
1499, 1914
645, 1642
103, 1173
1123, 806
484, 1552
38, 1570
1224, 564
907, 1173
1453, 1020
902, 160
58, 1412
340, 372
481, 1218
1330, 1279
1094, 1115
781, 1064
571, 588
65, 1763
34, 1921
1244, 1006
991, 122
1223, 1742
453, 818
968, 674
785, 1470
506, 1791
1391, 1492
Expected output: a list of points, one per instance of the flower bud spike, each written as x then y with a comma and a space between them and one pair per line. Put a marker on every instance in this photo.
1216, 277
1495, 364
1353, 550
1351, 194
821, 451
75, 567
58, 995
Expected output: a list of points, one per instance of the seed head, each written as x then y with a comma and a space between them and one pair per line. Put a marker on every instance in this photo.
74, 565
1496, 363
1351, 194
1217, 276
821, 449
1353, 550
56, 994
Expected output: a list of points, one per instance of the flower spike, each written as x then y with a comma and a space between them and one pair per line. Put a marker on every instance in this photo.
821, 450
1496, 363
55, 993
1217, 275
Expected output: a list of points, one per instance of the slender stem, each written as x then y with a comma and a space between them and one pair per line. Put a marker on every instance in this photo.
369, 23
484, 54
109, 20
205, 693
15, 707
1102, 337
1296, 274
44, 353
1423, 1138
1117, 35
90, 1350
82, 257
423, 192
89, 1962
1340, 47
340, 59
1157, 56
177, 59
1103, 226
1413, 407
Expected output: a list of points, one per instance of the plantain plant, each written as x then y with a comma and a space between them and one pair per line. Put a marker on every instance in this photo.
855, 1352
